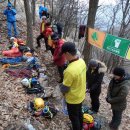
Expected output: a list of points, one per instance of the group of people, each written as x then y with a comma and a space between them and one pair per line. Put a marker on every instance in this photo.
73, 87
75, 78
52, 36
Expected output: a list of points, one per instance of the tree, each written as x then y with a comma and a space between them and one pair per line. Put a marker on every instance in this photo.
93, 6
29, 23
33, 4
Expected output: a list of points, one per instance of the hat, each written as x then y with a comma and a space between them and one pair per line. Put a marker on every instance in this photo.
54, 36
44, 17
119, 71
9, 5
93, 63
69, 47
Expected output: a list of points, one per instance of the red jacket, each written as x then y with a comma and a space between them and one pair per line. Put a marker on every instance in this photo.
48, 32
59, 60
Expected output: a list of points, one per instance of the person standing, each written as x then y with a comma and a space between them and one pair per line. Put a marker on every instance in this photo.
42, 29
95, 74
58, 59
74, 85
11, 20
116, 95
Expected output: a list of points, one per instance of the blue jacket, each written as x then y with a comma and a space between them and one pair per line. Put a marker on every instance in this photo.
10, 13
41, 9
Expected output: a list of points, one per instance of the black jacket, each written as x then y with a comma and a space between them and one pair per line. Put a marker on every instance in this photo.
94, 79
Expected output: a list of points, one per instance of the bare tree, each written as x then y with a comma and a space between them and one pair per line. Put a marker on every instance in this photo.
33, 11
93, 6
29, 23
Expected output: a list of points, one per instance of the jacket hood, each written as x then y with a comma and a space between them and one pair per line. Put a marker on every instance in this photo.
102, 67
43, 8
9, 5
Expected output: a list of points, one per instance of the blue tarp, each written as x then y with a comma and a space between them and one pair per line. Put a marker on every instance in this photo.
11, 60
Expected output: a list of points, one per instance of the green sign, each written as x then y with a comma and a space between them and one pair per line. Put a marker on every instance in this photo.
116, 45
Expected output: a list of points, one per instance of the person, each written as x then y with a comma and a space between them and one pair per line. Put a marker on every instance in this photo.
74, 85
43, 11
116, 95
60, 29
57, 28
58, 59
95, 74
11, 20
42, 29
47, 35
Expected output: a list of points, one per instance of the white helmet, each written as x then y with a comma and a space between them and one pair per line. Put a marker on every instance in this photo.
25, 82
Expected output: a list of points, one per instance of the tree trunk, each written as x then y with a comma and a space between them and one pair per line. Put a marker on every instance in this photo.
52, 12
15, 4
93, 6
29, 23
44, 2
33, 11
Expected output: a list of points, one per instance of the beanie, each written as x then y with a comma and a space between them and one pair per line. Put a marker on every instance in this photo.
119, 71
69, 47
93, 63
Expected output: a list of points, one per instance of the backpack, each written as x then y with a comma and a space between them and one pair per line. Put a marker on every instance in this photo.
58, 28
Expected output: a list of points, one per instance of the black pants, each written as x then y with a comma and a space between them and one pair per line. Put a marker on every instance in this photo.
116, 119
95, 101
75, 115
52, 50
61, 70
45, 40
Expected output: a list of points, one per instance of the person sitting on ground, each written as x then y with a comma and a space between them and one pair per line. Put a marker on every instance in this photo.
95, 74
116, 95
58, 59
74, 84
42, 29
11, 20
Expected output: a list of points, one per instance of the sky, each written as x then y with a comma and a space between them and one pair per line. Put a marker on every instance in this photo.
104, 2
107, 2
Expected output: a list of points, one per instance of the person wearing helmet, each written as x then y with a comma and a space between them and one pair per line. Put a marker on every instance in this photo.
116, 95
74, 84
95, 74
42, 29
11, 20
58, 59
